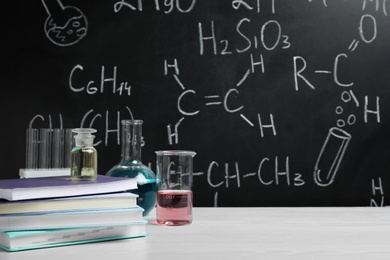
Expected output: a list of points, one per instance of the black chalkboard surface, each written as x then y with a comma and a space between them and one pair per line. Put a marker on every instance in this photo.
285, 102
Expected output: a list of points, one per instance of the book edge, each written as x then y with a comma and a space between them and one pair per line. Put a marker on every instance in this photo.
123, 217
41, 192
15, 249
66, 205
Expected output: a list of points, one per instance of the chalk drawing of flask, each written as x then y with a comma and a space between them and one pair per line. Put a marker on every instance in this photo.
330, 157
65, 25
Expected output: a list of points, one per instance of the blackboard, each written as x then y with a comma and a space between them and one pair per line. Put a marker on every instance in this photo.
286, 103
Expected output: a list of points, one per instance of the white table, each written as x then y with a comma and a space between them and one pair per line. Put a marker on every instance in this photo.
246, 233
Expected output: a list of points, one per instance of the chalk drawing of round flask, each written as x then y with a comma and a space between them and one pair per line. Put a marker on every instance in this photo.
330, 157
65, 25
131, 165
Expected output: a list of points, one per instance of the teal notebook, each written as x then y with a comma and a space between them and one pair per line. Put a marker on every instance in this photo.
26, 240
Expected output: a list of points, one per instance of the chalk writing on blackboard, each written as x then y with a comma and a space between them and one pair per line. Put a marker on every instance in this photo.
346, 97
330, 157
280, 174
168, 6
221, 46
377, 192
106, 119
91, 119
378, 6
104, 84
65, 25
335, 145
49, 121
375, 111
269, 172
210, 100
253, 38
252, 5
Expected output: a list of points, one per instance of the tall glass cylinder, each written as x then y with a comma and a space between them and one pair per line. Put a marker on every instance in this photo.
131, 165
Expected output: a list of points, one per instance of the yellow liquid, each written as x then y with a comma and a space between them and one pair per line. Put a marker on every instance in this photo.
84, 163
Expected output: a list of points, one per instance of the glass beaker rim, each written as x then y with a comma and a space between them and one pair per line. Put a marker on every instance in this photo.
176, 152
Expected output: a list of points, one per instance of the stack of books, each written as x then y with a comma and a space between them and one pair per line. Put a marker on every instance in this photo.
55, 211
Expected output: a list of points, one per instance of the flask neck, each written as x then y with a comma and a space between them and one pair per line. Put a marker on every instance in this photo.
131, 140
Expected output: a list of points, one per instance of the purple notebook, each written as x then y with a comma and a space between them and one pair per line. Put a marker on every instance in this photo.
55, 187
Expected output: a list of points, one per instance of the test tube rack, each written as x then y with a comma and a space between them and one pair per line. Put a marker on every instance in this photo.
48, 152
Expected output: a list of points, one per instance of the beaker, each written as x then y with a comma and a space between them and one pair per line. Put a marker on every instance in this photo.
174, 187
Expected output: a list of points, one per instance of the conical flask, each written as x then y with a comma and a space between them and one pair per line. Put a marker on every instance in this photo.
131, 165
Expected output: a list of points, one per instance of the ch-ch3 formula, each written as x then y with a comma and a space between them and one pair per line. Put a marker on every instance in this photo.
269, 172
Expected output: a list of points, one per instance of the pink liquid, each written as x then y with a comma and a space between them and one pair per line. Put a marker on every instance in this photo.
174, 207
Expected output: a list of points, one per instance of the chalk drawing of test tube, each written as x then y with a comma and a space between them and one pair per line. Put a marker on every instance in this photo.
330, 157
65, 25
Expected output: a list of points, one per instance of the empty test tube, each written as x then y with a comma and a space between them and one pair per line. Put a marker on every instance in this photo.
44, 148
48, 148
32, 148
57, 148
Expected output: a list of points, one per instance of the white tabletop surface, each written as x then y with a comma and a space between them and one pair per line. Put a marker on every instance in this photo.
246, 233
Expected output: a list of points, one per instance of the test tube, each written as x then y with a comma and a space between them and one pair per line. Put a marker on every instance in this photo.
44, 148
32, 148
330, 157
68, 145
57, 148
